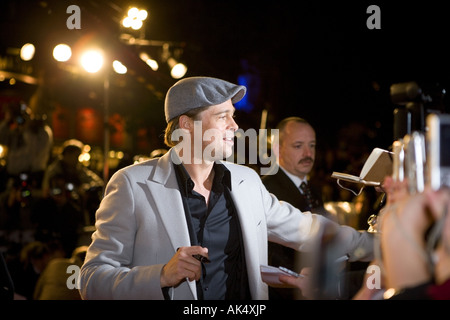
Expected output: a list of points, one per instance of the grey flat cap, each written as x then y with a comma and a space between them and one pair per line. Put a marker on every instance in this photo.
195, 92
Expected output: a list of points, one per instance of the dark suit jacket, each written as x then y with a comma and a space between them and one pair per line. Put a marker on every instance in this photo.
284, 189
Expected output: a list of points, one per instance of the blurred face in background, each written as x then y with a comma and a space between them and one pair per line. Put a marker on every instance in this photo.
297, 149
70, 158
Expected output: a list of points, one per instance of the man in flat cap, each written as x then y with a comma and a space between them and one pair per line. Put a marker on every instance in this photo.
189, 225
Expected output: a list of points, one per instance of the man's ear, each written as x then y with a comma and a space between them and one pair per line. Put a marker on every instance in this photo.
185, 122
276, 149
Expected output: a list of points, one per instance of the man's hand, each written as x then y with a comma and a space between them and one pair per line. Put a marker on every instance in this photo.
183, 266
302, 283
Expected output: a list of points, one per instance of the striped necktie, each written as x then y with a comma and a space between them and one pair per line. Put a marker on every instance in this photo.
308, 196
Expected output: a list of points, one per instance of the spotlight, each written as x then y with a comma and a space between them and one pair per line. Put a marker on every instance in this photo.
177, 69
119, 67
152, 63
92, 61
27, 52
62, 52
135, 18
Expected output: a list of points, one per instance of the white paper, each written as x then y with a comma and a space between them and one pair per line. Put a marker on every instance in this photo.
270, 274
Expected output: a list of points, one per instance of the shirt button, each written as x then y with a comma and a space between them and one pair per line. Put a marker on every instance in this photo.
206, 288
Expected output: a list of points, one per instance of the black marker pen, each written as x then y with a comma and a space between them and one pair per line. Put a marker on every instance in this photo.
201, 258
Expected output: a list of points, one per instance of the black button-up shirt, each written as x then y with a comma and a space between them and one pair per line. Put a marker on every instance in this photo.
216, 227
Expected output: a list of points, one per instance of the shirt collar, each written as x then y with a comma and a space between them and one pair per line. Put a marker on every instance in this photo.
184, 180
296, 180
222, 177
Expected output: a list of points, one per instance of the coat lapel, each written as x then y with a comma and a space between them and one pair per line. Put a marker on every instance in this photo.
163, 185
248, 227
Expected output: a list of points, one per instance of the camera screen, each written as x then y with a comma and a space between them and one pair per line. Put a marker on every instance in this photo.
445, 145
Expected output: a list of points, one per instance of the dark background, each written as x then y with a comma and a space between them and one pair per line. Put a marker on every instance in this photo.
314, 59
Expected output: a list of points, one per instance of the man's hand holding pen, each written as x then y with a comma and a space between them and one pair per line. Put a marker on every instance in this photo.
201, 258
185, 264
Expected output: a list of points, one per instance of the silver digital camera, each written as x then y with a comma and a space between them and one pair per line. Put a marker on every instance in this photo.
438, 144
398, 161
415, 161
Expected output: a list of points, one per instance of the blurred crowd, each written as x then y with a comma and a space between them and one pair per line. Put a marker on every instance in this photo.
48, 197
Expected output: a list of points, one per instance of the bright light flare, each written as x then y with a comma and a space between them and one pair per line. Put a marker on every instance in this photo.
92, 61
178, 70
119, 67
136, 24
135, 18
27, 52
126, 22
133, 13
142, 15
153, 64
62, 52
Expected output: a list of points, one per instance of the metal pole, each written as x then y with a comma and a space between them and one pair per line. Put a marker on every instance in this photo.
106, 129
